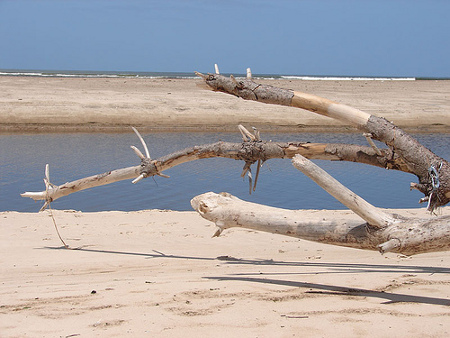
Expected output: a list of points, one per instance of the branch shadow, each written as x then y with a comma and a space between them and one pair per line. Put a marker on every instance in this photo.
340, 291
156, 254
334, 267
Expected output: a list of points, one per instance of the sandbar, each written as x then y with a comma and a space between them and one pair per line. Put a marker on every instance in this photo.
52, 104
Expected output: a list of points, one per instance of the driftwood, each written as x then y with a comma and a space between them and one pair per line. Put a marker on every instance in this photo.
248, 151
432, 171
405, 236
379, 231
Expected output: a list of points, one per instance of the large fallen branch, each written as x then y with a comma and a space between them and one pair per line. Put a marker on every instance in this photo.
250, 151
381, 231
432, 171
405, 236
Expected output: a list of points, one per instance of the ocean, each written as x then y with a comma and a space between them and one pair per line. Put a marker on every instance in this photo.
189, 75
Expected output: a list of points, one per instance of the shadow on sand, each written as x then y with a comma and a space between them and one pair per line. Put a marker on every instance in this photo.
332, 268
340, 290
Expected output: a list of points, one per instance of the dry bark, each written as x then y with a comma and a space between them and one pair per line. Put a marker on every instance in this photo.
249, 151
432, 171
405, 236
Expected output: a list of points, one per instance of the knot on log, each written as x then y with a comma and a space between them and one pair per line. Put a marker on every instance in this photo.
148, 167
252, 151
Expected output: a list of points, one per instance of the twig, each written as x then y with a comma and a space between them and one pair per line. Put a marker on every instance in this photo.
368, 137
56, 227
147, 154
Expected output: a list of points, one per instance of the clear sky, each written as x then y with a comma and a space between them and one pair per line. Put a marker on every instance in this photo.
304, 37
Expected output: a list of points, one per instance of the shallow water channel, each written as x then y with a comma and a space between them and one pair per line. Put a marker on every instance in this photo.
73, 156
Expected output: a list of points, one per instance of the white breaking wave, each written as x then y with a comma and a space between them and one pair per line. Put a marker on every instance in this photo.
150, 75
64, 74
337, 78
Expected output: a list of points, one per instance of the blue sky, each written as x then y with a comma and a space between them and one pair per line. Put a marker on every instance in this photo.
309, 37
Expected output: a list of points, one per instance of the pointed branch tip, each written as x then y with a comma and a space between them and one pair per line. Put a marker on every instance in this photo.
368, 137
203, 76
246, 135
138, 152
143, 143
47, 172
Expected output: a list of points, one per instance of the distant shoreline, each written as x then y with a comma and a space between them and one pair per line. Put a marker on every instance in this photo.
191, 75
102, 104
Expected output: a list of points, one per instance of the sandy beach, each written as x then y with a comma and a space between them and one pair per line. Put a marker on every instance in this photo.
114, 104
159, 273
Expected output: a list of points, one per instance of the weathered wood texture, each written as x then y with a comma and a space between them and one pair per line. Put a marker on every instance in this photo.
55, 192
405, 236
372, 215
247, 151
432, 171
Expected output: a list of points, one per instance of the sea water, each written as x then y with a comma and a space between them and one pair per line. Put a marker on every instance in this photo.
76, 155
188, 75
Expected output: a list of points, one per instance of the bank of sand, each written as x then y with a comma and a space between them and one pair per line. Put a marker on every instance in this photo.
160, 273
90, 104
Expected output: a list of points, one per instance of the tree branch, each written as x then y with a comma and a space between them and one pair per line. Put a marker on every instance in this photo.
405, 236
426, 165
250, 152
372, 215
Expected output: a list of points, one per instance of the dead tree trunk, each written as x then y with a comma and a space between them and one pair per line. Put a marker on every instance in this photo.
432, 171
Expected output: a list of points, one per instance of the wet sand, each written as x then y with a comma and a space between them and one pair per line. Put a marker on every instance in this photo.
105, 104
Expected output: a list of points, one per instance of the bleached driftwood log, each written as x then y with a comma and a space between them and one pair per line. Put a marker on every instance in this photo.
405, 236
380, 231
432, 171
250, 151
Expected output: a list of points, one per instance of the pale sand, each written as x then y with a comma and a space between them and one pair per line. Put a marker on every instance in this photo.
160, 274
66, 104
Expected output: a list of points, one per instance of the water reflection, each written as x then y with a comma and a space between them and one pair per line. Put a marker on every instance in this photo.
73, 156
